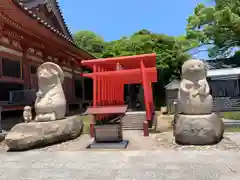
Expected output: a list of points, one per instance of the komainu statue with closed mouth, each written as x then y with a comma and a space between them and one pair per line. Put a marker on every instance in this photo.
50, 124
195, 123
50, 104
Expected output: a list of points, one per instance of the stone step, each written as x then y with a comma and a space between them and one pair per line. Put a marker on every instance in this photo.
133, 125
132, 128
127, 122
133, 117
133, 121
141, 122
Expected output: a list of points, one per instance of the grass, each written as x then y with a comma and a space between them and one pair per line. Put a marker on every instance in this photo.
163, 123
231, 115
232, 129
86, 121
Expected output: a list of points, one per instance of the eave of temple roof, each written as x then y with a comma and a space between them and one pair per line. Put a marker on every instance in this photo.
48, 26
60, 12
54, 6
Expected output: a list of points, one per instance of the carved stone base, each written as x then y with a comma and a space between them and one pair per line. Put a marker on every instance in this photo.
2, 135
108, 133
35, 134
109, 145
198, 129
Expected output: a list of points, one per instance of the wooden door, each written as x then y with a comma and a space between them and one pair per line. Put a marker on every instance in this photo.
33, 77
33, 81
67, 87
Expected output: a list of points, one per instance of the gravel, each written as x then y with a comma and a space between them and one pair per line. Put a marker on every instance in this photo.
166, 141
156, 141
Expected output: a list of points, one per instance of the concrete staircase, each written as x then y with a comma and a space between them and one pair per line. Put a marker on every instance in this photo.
133, 120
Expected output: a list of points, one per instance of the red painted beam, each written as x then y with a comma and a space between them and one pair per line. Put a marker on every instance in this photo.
120, 59
130, 79
94, 87
145, 83
127, 73
101, 110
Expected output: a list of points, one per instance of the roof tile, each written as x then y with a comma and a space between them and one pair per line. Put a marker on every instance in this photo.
48, 26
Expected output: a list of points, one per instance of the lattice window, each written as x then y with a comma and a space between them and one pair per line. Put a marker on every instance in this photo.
67, 87
88, 88
225, 88
78, 88
33, 69
11, 68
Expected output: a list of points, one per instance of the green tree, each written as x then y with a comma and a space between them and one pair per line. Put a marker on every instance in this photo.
90, 41
171, 51
218, 25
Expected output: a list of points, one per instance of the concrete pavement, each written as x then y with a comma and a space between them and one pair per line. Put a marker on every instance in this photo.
161, 165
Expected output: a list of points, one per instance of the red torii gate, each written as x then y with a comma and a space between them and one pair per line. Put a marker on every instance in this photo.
110, 74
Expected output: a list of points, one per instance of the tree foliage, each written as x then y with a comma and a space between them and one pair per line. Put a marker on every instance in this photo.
90, 41
218, 25
171, 51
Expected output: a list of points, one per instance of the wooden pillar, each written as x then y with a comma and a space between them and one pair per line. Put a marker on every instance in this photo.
26, 69
73, 96
46, 53
98, 87
107, 91
94, 86
146, 91
83, 85
1, 26
1, 34
83, 88
130, 103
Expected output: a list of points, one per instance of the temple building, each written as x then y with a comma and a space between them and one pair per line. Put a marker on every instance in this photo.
32, 32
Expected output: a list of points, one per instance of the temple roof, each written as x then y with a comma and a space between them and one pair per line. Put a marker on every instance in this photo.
51, 6
27, 7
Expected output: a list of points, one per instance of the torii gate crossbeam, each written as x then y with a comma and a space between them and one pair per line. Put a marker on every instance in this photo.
110, 74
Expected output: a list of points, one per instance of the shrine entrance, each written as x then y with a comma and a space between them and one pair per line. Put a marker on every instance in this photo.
110, 75
134, 97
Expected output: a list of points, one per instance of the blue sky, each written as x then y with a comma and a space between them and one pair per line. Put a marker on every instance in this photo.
114, 19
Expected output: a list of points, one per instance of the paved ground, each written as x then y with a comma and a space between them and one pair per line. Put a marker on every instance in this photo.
137, 142
159, 165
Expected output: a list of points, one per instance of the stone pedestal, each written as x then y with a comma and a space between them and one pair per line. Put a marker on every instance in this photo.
108, 136
108, 133
198, 129
29, 135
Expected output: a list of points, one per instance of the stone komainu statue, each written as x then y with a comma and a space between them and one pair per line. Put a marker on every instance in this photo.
50, 103
195, 123
194, 94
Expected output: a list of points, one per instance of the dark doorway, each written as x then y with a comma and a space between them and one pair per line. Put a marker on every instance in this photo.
11, 68
78, 89
134, 97
88, 89
6, 88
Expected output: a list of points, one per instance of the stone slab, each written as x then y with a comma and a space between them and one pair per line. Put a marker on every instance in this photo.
108, 145
120, 165
36, 134
2, 135
198, 129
